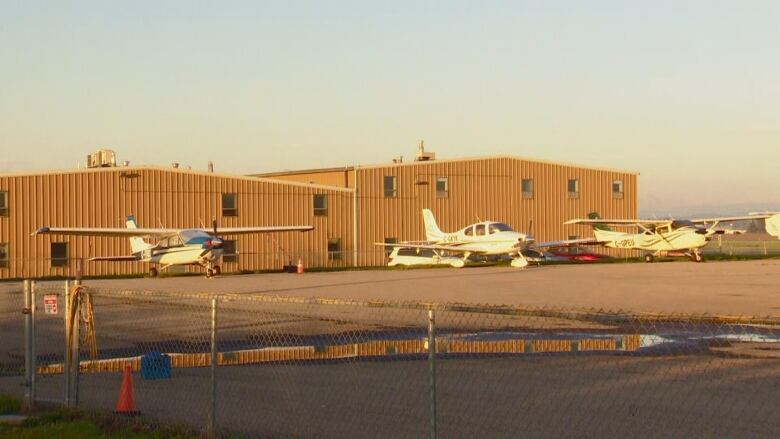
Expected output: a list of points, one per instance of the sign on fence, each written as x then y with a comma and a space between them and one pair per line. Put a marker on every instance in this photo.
50, 303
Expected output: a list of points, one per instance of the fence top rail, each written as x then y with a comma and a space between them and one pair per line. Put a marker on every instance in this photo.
599, 315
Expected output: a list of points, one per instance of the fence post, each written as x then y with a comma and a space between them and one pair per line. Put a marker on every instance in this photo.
76, 353
432, 367
66, 356
29, 354
211, 427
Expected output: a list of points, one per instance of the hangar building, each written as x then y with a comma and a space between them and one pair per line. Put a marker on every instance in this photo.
351, 208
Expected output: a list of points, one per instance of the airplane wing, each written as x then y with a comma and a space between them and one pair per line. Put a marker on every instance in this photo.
113, 258
265, 229
99, 231
449, 248
620, 222
564, 243
731, 218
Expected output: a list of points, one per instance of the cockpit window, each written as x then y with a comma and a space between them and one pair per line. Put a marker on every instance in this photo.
469, 231
192, 237
480, 229
499, 227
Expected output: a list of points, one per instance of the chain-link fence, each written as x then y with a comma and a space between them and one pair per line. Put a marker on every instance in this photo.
320, 367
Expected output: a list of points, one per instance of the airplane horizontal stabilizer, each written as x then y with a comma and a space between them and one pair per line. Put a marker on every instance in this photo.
113, 258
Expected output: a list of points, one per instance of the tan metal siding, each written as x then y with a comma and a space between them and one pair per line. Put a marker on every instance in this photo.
484, 190
169, 198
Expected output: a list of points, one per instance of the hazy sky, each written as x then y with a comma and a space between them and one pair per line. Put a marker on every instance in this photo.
685, 92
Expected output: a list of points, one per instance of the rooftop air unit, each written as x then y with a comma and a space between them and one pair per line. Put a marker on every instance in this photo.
105, 158
423, 156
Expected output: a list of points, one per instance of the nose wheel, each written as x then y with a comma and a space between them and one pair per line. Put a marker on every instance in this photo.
697, 257
649, 258
153, 272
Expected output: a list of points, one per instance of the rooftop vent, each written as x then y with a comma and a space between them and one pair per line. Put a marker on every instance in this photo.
423, 156
104, 158
175, 165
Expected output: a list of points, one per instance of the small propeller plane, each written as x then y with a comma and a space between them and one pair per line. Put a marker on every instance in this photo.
488, 238
666, 237
201, 247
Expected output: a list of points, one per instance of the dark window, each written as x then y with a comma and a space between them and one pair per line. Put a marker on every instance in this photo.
229, 204
527, 186
3, 203
391, 186
442, 187
334, 249
229, 253
389, 250
4, 256
480, 229
499, 227
469, 231
617, 189
574, 188
320, 204
59, 254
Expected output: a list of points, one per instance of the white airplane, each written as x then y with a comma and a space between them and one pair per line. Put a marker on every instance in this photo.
201, 247
488, 238
666, 237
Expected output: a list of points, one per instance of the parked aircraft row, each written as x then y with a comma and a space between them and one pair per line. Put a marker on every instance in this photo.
204, 247
655, 238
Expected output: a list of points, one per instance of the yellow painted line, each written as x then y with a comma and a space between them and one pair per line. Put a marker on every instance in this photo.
380, 348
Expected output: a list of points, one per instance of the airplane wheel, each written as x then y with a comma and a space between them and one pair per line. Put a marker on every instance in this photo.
697, 257
152, 272
649, 258
217, 270
209, 272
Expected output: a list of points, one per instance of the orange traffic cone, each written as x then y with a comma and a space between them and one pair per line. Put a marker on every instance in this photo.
125, 405
300, 266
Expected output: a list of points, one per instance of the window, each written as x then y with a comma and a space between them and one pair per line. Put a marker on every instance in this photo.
442, 187
574, 188
499, 227
229, 204
389, 250
59, 254
617, 189
480, 229
320, 204
229, 253
3, 203
469, 231
334, 249
527, 186
4, 255
391, 186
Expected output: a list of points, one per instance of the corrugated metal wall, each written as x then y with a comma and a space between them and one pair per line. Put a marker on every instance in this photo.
479, 189
169, 198
485, 189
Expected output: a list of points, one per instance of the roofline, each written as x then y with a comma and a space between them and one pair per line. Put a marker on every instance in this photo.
305, 171
180, 171
453, 160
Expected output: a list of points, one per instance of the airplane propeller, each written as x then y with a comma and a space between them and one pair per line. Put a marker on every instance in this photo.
215, 242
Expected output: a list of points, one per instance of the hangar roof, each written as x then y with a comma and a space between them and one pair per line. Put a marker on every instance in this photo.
178, 171
426, 162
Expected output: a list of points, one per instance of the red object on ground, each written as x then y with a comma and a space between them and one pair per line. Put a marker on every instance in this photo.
579, 255
125, 404
300, 266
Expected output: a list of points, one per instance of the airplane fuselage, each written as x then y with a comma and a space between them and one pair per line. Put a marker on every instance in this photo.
682, 239
492, 244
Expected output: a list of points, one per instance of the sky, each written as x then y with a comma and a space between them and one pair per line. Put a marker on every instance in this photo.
684, 92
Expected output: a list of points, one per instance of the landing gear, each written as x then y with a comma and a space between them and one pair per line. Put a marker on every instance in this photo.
152, 272
649, 258
217, 270
697, 257
519, 262
209, 273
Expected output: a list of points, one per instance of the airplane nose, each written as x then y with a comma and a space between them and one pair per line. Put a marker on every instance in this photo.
213, 243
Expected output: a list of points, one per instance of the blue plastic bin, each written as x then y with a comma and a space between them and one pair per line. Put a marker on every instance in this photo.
155, 366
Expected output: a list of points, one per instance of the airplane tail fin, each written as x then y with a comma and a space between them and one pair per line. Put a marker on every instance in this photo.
772, 225
432, 231
136, 244
601, 227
